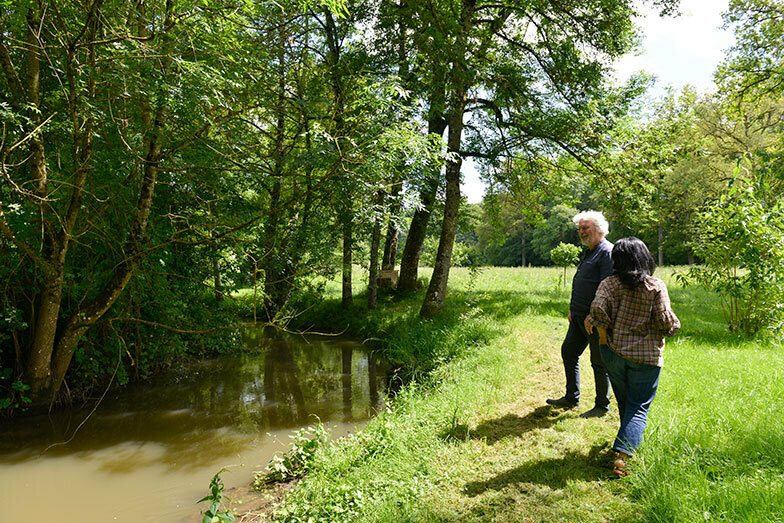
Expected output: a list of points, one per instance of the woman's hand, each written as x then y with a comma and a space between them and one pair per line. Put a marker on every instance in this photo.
601, 330
602, 335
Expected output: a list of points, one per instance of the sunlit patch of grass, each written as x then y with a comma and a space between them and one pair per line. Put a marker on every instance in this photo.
471, 440
714, 446
475, 415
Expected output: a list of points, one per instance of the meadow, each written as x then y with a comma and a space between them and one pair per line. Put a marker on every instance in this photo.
471, 439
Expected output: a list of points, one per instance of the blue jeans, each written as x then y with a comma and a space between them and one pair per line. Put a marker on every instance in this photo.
573, 346
634, 385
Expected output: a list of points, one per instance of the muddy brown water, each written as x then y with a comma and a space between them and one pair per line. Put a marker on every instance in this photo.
148, 452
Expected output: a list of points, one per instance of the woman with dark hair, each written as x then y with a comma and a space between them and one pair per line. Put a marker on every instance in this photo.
632, 313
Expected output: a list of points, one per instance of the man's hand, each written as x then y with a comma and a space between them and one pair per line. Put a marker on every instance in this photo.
588, 325
569, 316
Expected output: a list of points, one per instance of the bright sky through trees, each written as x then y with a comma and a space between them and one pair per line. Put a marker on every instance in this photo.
678, 51
682, 50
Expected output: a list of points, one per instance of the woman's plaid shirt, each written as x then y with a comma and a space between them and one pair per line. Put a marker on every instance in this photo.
636, 320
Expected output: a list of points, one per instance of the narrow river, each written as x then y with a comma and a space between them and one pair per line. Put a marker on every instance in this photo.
148, 452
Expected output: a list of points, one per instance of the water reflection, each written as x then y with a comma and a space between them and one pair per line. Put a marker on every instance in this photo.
192, 422
289, 381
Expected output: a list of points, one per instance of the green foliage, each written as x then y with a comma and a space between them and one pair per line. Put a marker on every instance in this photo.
296, 462
146, 348
753, 65
339, 7
558, 228
669, 159
565, 255
506, 222
741, 240
14, 396
12, 391
214, 514
414, 346
420, 348
507, 254
463, 254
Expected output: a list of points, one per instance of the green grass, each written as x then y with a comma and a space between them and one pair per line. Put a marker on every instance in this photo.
470, 439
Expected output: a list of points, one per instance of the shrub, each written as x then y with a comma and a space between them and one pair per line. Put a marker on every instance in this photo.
741, 240
297, 461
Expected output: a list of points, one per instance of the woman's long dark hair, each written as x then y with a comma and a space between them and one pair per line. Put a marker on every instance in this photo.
632, 261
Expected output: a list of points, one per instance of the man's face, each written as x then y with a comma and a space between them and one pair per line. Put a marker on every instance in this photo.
589, 234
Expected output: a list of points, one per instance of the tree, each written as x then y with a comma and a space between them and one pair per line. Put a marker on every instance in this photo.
544, 86
432, 69
505, 219
755, 64
754, 67
740, 236
663, 169
121, 122
62, 93
557, 229
565, 255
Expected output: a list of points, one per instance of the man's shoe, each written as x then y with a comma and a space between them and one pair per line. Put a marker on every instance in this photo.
595, 412
563, 403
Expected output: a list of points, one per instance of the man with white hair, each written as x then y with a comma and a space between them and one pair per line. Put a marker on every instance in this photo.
595, 266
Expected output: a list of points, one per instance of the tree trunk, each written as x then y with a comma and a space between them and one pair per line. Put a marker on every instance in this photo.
375, 240
392, 235
217, 281
436, 291
390, 244
347, 299
44, 329
216, 275
345, 214
409, 264
275, 261
523, 259
38, 368
42, 371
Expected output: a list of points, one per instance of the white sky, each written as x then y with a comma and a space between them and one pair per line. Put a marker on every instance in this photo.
681, 50
677, 51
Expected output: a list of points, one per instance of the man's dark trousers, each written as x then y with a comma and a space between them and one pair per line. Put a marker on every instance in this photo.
577, 338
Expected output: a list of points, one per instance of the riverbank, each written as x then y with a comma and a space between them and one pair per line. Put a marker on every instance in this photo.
471, 439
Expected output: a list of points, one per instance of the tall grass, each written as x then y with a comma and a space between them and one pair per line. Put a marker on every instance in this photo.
715, 443
470, 439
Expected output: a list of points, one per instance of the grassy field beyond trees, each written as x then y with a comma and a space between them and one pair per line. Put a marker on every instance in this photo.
472, 439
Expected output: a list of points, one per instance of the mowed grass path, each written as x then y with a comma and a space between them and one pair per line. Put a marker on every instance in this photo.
475, 441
